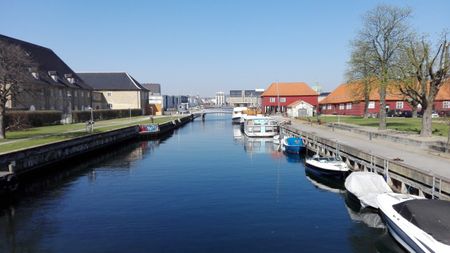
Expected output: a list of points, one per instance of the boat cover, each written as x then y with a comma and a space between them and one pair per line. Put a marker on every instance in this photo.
366, 186
430, 215
294, 141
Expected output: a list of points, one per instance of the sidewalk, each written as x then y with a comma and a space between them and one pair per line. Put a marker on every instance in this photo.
432, 163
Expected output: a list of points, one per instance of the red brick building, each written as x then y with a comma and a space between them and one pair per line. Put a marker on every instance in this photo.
279, 95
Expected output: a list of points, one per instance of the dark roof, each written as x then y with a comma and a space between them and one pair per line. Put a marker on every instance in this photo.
46, 62
111, 81
430, 215
154, 88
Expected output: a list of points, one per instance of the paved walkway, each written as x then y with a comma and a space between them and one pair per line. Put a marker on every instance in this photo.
433, 163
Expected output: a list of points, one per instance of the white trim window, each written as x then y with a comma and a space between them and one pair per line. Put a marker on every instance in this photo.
272, 100
446, 104
348, 106
109, 94
399, 105
371, 105
282, 100
341, 106
329, 107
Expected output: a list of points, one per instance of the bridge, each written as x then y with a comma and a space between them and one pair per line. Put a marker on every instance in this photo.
211, 110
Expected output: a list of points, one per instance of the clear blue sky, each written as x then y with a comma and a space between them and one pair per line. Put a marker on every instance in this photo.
200, 47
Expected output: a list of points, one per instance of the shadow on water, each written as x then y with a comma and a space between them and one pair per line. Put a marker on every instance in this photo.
50, 182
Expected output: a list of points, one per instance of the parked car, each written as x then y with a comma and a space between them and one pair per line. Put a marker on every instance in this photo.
434, 115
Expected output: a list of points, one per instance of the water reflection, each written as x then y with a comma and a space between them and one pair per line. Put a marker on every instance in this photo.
324, 183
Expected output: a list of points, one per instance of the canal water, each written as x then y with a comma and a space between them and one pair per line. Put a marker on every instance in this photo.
205, 188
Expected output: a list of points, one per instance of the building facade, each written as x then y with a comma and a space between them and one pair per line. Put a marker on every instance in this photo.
117, 90
51, 85
278, 96
247, 98
155, 99
220, 98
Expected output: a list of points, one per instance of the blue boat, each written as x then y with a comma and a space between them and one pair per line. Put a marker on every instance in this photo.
293, 145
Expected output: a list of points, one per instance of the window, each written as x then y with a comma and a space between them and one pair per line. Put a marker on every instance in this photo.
371, 105
109, 94
348, 106
272, 100
399, 105
324, 107
110, 106
329, 107
75, 93
282, 100
446, 104
341, 106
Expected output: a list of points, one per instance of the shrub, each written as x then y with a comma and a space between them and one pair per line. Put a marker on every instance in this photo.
83, 116
15, 120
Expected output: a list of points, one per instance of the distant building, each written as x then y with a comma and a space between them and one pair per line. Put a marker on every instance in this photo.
173, 103
52, 85
155, 99
220, 98
116, 90
245, 97
278, 96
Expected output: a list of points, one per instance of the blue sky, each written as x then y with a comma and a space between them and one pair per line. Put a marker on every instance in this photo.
200, 47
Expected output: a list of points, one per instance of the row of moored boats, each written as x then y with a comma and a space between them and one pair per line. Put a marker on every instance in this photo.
417, 223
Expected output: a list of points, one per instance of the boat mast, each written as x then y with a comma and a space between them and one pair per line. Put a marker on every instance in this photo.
278, 98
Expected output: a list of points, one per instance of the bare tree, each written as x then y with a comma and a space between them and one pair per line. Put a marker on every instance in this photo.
361, 71
425, 75
385, 31
14, 71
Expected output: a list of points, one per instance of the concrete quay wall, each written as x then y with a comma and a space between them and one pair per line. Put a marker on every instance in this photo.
401, 177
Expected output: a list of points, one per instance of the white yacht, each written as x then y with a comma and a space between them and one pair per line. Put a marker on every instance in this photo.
260, 126
418, 224
237, 114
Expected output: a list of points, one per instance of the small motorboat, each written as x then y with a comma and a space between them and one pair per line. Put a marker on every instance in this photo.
293, 145
327, 166
238, 112
364, 187
418, 224
260, 126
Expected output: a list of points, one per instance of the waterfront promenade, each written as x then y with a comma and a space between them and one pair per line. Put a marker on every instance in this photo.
428, 161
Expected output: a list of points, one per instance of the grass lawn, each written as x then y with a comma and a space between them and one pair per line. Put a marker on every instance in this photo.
31, 137
440, 128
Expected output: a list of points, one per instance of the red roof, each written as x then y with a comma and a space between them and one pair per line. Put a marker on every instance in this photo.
289, 89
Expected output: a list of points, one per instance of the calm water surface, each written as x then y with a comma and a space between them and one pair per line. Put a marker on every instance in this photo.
206, 188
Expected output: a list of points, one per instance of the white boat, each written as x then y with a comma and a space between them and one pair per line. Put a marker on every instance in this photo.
327, 166
418, 224
237, 114
276, 139
260, 126
364, 187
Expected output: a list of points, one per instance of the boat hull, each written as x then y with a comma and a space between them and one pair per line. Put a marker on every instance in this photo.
236, 121
293, 149
324, 172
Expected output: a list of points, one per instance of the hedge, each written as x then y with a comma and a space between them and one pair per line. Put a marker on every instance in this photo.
15, 120
83, 116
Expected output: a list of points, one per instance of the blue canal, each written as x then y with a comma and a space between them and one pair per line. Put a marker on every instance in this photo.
205, 188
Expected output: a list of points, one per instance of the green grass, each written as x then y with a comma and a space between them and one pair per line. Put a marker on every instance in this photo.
413, 125
16, 140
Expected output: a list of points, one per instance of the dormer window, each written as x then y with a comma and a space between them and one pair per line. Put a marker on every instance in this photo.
35, 75
69, 78
53, 75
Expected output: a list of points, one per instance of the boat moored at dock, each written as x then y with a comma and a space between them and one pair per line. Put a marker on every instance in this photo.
293, 145
260, 126
364, 187
418, 224
328, 166
238, 112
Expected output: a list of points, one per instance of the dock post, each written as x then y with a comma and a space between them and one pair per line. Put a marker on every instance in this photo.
11, 166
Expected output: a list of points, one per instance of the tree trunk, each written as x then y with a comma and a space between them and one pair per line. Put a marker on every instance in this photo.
426, 130
382, 125
2, 123
366, 105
